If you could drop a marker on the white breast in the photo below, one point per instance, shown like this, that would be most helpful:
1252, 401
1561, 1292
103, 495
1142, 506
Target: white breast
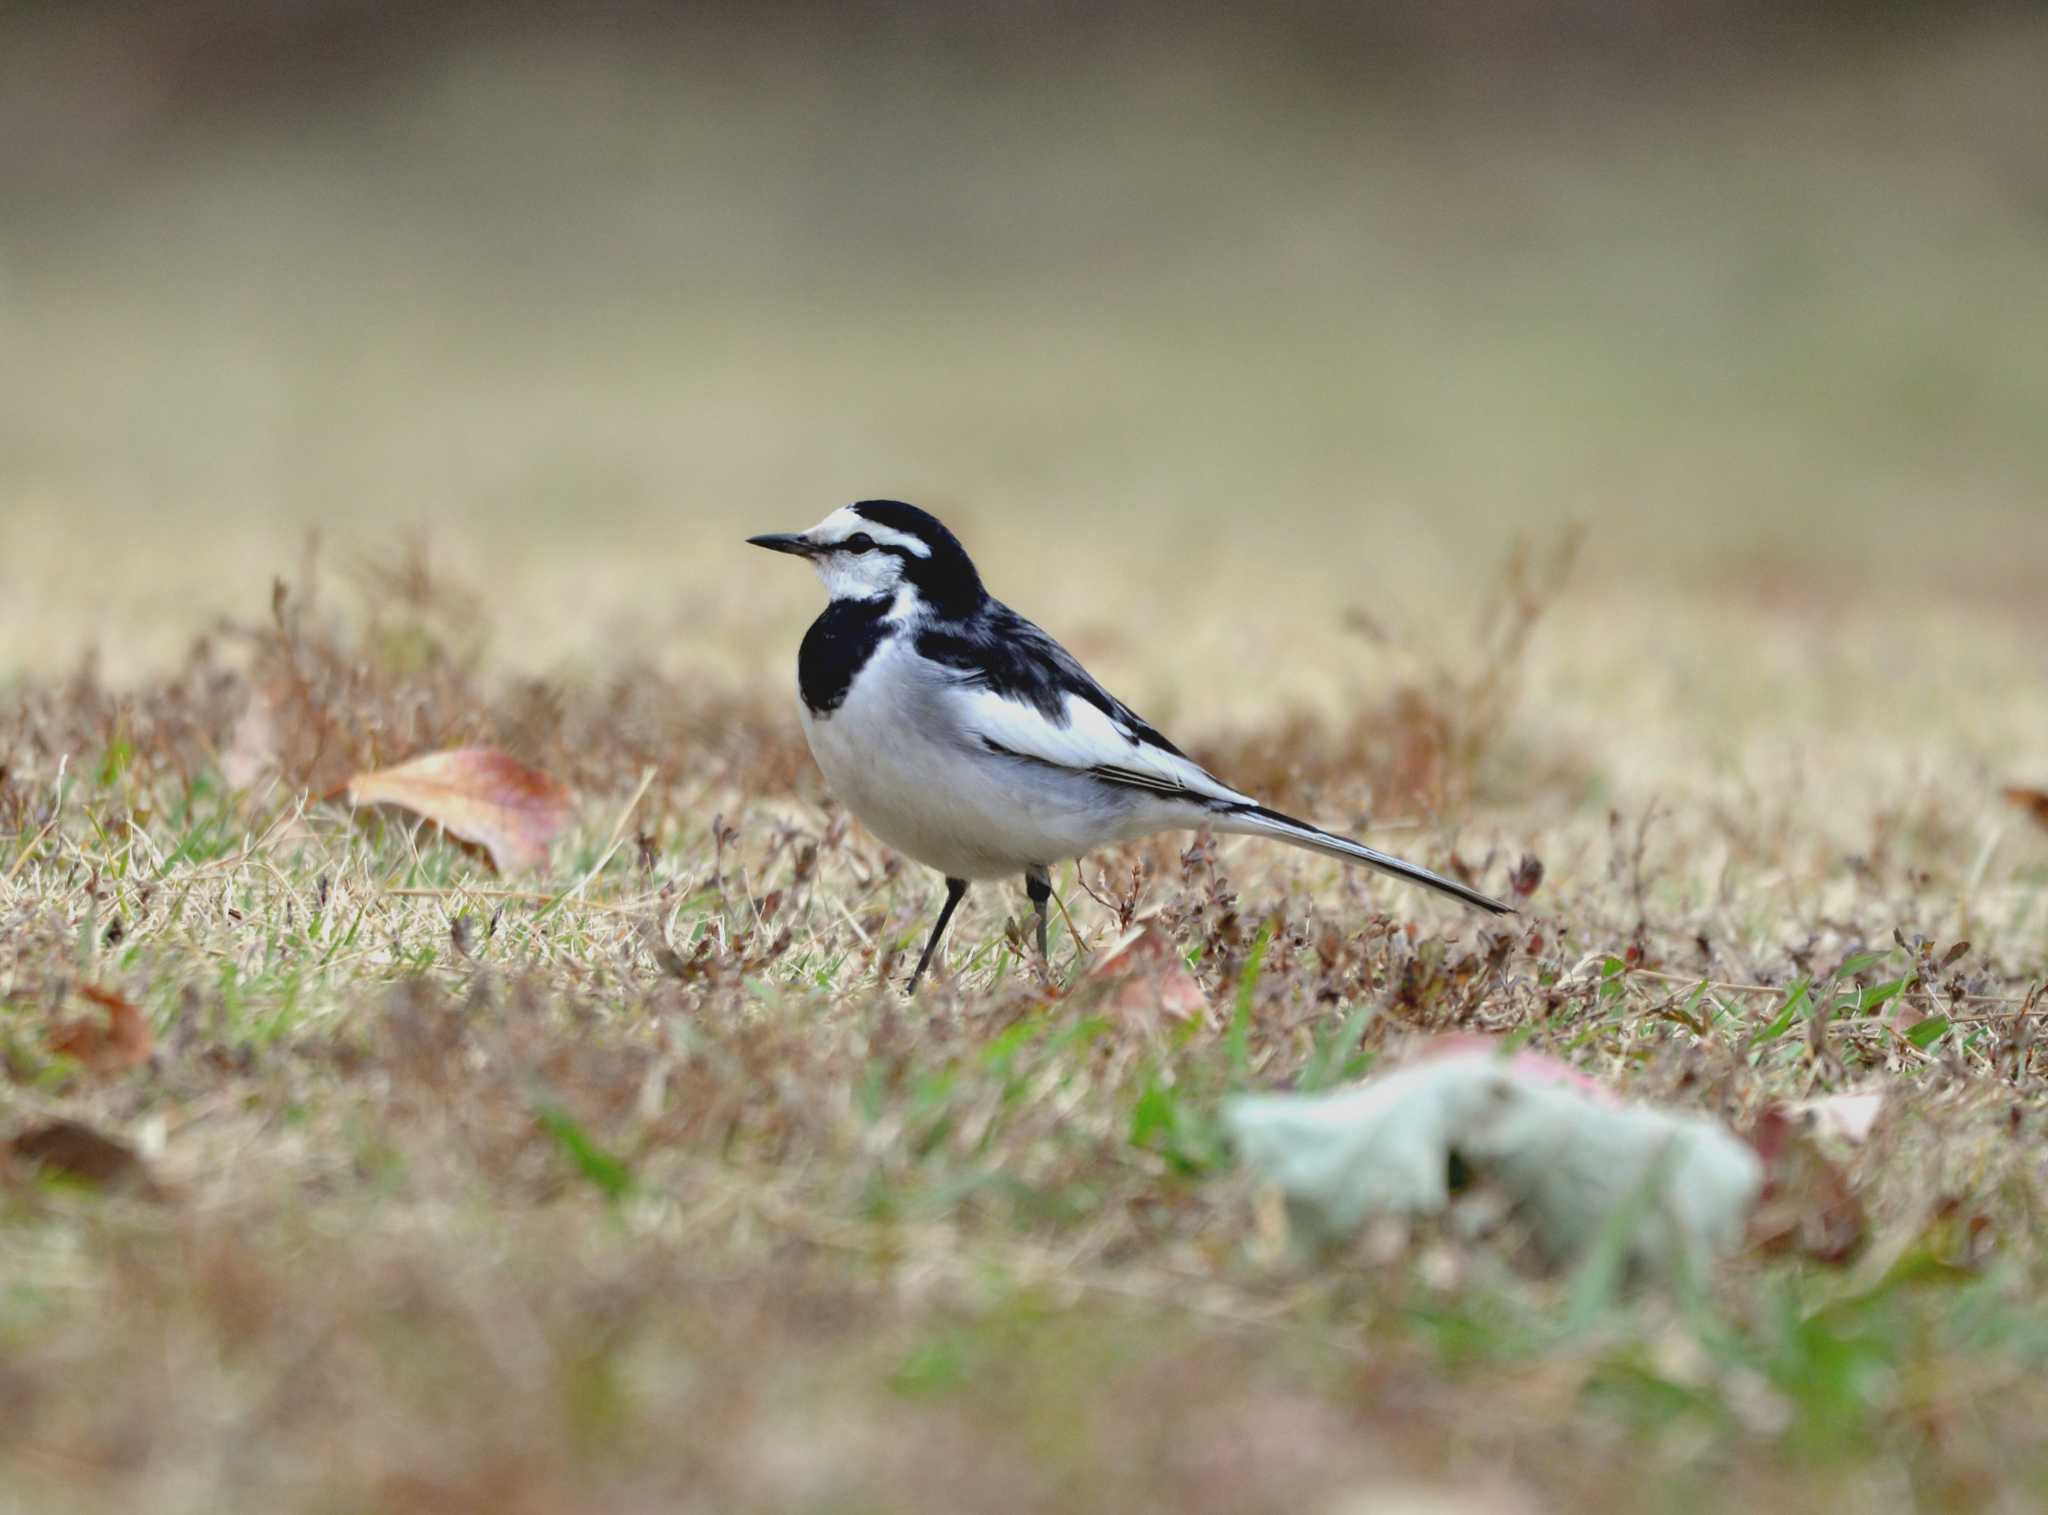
896, 754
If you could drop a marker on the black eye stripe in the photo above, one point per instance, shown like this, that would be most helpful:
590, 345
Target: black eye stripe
860, 542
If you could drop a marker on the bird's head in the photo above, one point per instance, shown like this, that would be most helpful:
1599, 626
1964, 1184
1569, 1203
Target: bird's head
878, 549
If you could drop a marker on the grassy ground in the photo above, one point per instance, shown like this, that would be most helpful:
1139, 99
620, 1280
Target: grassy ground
638, 1184
635, 1184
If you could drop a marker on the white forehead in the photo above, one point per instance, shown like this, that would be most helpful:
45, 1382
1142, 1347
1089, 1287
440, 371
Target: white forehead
845, 521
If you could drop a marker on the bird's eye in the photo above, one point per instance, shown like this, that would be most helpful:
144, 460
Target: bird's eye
860, 541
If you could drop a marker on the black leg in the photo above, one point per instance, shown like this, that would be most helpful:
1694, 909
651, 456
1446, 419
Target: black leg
1038, 884
956, 890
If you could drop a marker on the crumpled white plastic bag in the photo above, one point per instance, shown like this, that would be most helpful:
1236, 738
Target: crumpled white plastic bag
1570, 1155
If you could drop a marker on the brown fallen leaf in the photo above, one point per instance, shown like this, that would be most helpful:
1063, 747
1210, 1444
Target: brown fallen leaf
1903, 1016
122, 1041
1150, 979
1808, 1207
2033, 801
73, 1150
480, 795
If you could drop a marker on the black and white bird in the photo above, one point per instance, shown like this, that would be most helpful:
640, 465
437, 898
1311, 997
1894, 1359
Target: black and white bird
968, 739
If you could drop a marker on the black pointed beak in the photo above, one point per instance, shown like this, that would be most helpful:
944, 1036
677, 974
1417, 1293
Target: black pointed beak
785, 541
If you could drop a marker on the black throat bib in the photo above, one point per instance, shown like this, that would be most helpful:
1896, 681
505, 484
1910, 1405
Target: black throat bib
836, 648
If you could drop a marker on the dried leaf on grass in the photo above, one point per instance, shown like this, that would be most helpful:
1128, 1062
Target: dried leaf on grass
2033, 801
75, 1151
1807, 1206
1572, 1158
122, 1040
1149, 979
1903, 1016
480, 795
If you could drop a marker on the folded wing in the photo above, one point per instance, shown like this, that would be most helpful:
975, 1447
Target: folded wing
1091, 741
1015, 691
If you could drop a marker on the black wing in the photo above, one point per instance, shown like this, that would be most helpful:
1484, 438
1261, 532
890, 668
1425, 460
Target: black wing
998, 649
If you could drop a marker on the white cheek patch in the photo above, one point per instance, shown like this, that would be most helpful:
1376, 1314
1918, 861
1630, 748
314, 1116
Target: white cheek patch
859, 575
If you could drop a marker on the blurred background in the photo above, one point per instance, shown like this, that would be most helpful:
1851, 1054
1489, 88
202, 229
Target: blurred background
1223, 319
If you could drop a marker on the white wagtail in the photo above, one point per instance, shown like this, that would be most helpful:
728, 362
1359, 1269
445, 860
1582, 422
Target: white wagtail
965, 737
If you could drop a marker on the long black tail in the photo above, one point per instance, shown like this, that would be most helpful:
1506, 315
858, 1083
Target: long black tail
1257, 820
